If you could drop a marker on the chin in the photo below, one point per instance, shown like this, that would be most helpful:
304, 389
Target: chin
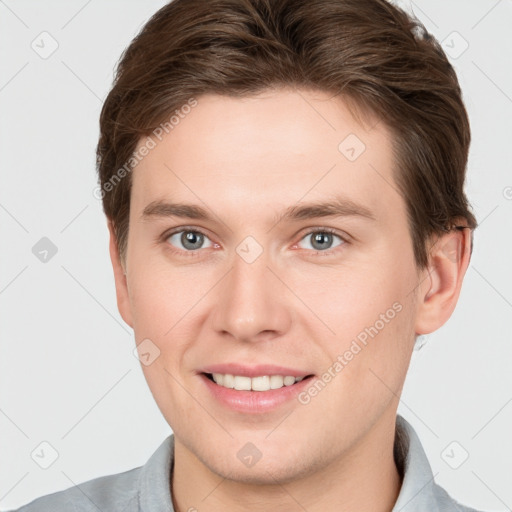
267, 470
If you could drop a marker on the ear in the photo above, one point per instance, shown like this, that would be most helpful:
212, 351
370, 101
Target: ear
123, 299
441, 282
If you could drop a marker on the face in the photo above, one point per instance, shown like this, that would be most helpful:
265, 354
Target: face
266, 284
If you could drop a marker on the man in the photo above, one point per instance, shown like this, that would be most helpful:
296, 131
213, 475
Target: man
283, 184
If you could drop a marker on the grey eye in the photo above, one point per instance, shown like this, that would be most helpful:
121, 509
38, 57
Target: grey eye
190, 240
321, 240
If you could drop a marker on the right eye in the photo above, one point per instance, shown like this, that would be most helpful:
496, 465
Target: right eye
190, 239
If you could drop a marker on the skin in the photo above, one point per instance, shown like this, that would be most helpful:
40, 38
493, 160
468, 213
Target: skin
246, 160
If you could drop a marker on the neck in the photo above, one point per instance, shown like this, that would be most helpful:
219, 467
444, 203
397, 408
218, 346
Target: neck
364, 479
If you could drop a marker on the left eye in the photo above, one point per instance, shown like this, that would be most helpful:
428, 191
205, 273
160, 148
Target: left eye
322, 240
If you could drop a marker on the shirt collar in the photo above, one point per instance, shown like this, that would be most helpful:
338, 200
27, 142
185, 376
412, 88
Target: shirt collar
418, 491
155, 479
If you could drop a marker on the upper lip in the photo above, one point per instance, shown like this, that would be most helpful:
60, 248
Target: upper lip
254, 370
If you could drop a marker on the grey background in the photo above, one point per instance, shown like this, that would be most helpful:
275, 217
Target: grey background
68, 375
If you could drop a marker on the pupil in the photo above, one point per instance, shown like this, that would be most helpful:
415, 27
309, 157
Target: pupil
193, 238
321, 238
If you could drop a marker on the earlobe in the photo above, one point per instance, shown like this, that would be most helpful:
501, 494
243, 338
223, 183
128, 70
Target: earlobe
441, 283
122, 295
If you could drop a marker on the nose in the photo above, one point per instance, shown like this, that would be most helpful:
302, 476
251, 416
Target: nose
251, 302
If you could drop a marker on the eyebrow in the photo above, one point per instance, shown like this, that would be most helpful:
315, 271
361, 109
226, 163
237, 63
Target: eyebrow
338, 207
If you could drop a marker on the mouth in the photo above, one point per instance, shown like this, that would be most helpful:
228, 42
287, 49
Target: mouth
254, 395
261, 383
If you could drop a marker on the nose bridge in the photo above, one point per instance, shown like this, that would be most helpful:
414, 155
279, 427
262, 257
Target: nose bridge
250, 300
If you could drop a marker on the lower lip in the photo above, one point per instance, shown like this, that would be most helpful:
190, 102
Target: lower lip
254, 401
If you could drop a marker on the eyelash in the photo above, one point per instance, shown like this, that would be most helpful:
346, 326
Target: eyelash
195, 253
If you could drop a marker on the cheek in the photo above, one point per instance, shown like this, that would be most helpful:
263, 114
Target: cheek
378, 355
370, 314
351, 300
160, 297
365, 371
169, 392
167, 310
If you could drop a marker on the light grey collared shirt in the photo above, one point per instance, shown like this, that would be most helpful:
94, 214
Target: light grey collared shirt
147, 488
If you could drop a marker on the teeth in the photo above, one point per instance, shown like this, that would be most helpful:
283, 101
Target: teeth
288, 381
228, 381
242, 383
219, 378
262, 383
276, 381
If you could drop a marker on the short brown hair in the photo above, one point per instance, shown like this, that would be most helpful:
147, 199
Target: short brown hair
381, 60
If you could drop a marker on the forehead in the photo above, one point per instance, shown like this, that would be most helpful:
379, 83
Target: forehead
266, 153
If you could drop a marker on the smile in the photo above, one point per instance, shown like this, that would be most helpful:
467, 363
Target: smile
254, 395
260, 383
